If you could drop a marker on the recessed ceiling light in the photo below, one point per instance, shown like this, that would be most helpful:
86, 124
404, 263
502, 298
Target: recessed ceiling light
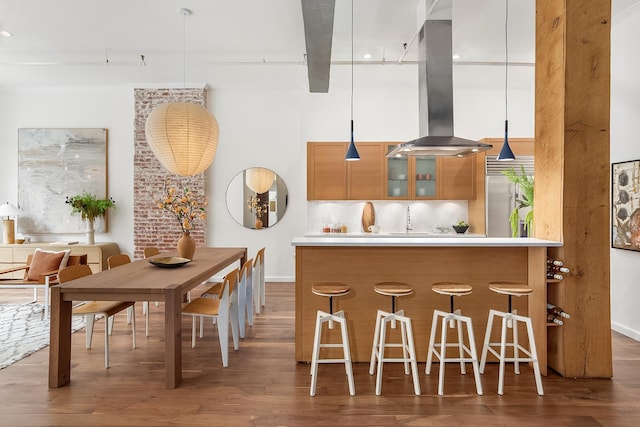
5, 33
367, 56
455, 56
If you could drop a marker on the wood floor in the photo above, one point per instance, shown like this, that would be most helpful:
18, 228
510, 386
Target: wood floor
264, 386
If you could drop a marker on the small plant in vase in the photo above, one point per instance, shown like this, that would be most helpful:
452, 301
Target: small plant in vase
90, 207
187, 208
259, 208
461, 227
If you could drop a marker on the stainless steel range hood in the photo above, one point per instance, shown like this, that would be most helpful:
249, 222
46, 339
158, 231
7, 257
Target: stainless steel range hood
435, 73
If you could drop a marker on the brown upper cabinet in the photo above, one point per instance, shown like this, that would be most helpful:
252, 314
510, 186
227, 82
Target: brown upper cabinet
457, 178
376, 177
365, 178
326, 171
331, 177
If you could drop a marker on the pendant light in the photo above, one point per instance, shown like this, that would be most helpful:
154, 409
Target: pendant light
183, 136
505, 153
352, 152
259, 180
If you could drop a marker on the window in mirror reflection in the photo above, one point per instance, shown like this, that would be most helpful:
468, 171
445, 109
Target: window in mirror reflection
257, 198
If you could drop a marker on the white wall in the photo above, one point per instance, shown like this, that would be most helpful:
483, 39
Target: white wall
625, 110
263, 122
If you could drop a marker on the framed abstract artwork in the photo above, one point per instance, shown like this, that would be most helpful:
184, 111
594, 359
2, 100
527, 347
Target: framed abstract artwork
625, 201
54, 164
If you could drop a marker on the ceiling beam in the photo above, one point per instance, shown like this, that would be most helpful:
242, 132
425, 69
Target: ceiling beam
318, 34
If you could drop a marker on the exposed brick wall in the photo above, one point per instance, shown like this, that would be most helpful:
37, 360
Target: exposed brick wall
153, 226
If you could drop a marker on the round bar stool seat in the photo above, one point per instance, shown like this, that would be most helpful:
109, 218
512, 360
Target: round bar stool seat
452, 319
452, 288
510, 320
510, 288
331, 290
394, 290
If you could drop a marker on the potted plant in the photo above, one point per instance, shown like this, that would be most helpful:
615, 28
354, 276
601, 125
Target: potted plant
90, 207
461, 227
524, 199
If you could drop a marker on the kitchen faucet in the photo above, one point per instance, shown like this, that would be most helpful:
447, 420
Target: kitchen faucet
409, 227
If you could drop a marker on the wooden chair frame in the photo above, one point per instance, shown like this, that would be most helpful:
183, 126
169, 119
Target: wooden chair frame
45, 280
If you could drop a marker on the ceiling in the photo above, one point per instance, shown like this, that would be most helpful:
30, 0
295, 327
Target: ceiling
90, 42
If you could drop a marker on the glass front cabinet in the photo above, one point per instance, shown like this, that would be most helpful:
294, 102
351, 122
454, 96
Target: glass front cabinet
410, 177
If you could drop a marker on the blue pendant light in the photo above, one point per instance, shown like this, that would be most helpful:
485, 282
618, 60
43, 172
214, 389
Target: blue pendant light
505, 153
352, 152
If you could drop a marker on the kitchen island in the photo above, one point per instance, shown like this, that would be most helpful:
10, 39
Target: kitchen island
361, 261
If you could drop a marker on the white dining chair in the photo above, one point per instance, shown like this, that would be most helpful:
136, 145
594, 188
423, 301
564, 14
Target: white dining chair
90, 309
149, 251
246, 291
116, 261
258, 281
245, 296
224, 309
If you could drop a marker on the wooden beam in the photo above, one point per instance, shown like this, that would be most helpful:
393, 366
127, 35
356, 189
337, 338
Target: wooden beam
572, 173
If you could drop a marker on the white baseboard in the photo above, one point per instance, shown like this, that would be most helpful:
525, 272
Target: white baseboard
283, 279
626, 331
280, 279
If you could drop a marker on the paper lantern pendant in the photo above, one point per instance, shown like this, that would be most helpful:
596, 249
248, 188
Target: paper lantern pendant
259, 180
183, 136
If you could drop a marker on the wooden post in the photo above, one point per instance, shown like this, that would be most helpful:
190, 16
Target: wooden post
173, 336
572, 175
60, 339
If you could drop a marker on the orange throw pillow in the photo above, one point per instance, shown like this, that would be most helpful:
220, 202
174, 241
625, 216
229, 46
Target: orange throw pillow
46, 261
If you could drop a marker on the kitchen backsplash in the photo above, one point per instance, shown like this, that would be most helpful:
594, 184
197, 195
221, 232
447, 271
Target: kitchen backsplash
391, 216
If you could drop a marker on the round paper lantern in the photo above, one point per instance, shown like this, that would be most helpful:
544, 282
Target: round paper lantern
259, 180
183, 136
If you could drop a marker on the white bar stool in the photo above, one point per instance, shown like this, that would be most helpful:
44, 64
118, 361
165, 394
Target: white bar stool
510, 320
452, 319
394, 290
331, 290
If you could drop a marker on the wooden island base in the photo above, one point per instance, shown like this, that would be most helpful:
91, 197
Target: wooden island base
419, 266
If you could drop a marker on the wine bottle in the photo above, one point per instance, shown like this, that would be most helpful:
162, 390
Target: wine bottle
557, 268
557, 311
553, 319
554, 262
552, 275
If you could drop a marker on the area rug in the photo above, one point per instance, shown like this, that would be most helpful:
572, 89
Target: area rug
23, 331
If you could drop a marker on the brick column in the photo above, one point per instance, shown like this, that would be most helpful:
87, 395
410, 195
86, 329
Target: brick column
153, 226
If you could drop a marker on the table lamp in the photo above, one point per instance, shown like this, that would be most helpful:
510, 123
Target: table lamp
8, 225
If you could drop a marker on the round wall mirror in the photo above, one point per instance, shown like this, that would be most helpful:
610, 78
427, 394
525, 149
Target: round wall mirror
257, 198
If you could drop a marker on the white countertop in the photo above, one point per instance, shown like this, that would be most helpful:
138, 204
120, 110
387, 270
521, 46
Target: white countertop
417, 239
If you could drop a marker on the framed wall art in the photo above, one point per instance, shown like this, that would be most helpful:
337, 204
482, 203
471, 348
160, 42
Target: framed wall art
54, 164
625, 201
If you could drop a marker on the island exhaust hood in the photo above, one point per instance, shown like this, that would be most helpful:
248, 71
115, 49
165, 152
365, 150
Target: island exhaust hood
435, 74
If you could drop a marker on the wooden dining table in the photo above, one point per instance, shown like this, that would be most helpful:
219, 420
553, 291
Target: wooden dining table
137, 281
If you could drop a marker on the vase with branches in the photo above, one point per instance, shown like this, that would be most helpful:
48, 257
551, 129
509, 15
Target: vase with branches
258, 207
187, 208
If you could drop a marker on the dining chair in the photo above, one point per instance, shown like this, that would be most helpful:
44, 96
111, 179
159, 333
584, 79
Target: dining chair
258, 281
224, 309
116, 261
90, 309
245, 296
149, 251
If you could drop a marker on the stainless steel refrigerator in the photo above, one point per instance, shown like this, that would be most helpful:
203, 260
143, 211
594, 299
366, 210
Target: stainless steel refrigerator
500, 194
